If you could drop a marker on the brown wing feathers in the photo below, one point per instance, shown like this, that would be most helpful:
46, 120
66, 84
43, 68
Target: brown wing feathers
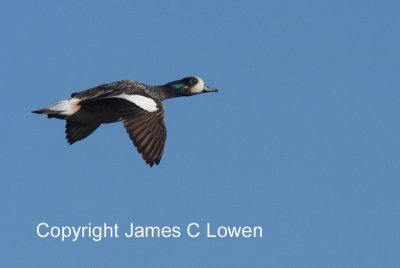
146, 129
148, 133
77, 131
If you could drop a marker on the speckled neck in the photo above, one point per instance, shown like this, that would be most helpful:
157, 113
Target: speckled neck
164, 92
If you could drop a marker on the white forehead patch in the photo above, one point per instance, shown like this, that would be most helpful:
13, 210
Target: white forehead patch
145, 103
198, 87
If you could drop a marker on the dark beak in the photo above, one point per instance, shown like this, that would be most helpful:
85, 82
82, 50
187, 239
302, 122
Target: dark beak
208, 89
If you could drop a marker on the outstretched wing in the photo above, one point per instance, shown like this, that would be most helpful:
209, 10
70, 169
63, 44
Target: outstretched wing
143, 118
78, 131
148, 133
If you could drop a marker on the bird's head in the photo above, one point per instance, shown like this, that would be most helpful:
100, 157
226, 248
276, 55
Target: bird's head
191, 85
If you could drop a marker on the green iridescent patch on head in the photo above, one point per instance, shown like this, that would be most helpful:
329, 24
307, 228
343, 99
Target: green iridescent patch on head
178, 85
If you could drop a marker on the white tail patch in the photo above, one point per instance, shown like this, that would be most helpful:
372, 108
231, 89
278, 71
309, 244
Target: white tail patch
145, 103
66, 107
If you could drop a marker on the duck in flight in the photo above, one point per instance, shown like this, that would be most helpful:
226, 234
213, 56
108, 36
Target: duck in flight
134, 103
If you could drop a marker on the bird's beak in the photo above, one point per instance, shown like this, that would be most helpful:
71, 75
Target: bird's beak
208, 89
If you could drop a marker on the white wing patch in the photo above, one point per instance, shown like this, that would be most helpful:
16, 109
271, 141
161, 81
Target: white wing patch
145, 103
66, 107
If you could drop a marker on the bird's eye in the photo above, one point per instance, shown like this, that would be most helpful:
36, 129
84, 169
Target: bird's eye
194, 81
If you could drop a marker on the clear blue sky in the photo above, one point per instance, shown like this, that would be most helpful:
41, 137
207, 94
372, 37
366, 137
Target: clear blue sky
303, 137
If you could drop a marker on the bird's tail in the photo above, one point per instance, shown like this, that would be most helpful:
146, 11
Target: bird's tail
50, 113
61, 110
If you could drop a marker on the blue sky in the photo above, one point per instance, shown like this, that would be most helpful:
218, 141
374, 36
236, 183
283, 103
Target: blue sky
302, 138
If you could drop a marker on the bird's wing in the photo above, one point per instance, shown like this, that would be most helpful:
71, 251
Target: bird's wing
145, 128
76, 131
148, 133
107, 90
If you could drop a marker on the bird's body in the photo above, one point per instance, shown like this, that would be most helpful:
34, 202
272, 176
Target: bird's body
136, 104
